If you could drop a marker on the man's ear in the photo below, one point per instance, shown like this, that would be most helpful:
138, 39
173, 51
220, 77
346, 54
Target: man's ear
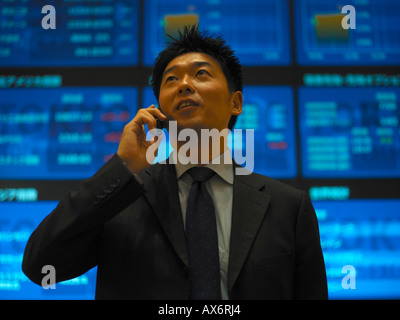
237, 103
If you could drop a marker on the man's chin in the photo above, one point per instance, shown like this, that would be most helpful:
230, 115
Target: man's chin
190, 124
193, 124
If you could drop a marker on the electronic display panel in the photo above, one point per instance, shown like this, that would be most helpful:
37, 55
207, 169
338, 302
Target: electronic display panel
365, 235
367, 242
321, 39
87, 33
257, 30
61, 133
17, 222
349, 132
269, 111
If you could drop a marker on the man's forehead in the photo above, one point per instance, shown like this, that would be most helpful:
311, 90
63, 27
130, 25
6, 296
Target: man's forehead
191, 59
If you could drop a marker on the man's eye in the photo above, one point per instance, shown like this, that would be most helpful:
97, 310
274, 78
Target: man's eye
170, 78
201, 72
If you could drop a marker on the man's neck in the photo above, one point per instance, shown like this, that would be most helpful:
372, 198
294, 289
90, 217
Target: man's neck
202, 155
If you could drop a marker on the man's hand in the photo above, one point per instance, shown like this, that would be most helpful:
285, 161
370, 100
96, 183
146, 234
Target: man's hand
133, 146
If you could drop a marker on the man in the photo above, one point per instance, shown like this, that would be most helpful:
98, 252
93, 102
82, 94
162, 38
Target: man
137, 223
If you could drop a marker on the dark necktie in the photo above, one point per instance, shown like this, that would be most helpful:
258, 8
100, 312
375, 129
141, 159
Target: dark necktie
202, 239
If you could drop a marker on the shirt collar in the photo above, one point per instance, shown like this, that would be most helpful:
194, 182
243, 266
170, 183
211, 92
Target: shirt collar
222, 165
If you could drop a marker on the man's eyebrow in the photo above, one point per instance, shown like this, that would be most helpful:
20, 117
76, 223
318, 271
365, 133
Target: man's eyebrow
195, 64
202, 63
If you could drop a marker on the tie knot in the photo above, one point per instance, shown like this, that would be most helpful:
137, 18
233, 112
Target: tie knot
201, 174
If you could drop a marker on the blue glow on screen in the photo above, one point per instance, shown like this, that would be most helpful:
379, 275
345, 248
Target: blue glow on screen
17, 222
269, 111
366, 235
259, 33
362, 233
321, 40
350, 132
66, 133
100, 33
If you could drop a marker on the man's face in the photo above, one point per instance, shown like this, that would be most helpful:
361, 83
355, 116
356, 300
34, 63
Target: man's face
194, 92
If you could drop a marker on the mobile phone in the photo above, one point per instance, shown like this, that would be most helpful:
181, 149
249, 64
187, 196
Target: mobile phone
160, 124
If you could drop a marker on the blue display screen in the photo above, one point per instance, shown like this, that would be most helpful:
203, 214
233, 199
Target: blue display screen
269, 111
365, 235
17, 222
350, 132
259, 33
321, 40
97, 33
66, 133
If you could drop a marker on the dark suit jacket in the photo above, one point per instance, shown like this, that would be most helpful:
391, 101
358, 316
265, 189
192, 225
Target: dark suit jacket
134, 233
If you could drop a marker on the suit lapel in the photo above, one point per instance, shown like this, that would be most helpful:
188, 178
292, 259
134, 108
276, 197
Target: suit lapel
162, 194
249, 207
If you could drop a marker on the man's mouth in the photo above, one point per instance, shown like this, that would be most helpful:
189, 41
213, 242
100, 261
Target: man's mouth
186, 103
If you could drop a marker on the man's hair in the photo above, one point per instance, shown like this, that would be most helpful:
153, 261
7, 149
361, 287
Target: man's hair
193, 40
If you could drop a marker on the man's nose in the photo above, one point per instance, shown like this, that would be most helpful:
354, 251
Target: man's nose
187, 89
186, 85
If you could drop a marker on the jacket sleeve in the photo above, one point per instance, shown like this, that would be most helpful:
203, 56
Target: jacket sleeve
310, 274
68, 237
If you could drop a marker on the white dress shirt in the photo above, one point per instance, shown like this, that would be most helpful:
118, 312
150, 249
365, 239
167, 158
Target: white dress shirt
220, 187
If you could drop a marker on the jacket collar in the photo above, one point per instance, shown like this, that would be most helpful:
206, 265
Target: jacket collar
221, 165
